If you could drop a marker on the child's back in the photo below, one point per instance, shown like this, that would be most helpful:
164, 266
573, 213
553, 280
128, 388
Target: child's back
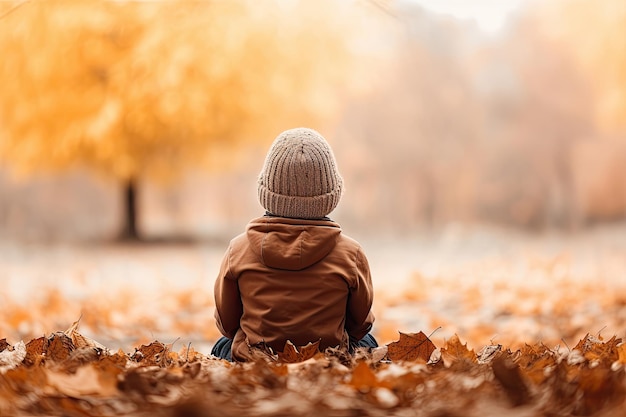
293, 275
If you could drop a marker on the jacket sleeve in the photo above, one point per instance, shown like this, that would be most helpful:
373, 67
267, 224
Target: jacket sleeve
359, 316
228, 307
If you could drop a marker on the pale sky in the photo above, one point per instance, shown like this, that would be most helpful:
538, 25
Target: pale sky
489, 14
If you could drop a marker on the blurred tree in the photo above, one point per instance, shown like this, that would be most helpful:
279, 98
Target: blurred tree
470, 128
418, 131
538, 106
140, 90
595, 33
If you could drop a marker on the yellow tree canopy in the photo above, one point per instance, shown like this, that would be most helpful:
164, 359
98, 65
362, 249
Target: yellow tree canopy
146, 88
595, 33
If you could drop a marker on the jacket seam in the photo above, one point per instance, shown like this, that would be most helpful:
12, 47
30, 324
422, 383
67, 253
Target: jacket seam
229, 272
301, 244
356, 267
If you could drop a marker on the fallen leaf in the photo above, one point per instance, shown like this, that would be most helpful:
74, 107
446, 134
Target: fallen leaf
79, 340
192, 369
536, 362
261, 351
73, 327
153, 354
508, 375
188, 354
11, 358
411, 347
143, 381
24, 380
399, 378
455, 351
80, 357
87, 380
379, 353
621, 353
363, 378
35, 350
289, 354
586, 343
593, 348
114, 364
293, 354
597, 387
309, 350
487, 353
92, 382
60, 347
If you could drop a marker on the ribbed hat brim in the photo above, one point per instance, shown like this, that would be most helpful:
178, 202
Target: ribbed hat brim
313, 207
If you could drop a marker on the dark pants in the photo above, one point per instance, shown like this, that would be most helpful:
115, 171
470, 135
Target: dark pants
222, 348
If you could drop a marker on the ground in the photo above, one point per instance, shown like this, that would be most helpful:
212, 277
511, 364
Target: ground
482, 287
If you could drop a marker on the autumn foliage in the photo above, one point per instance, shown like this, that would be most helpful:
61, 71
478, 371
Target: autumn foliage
599, 52
447, 125
69, 374
147, 90
527, 129
144, 89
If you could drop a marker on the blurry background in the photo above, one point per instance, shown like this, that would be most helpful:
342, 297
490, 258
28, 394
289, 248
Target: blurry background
481, 142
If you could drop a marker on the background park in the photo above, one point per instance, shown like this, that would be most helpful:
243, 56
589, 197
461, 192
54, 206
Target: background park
482, 144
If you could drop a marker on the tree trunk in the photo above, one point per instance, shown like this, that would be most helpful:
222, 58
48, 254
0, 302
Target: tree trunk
129, 229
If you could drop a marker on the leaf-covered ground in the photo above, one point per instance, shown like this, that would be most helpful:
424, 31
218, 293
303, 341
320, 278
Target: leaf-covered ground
69, 374
534, 318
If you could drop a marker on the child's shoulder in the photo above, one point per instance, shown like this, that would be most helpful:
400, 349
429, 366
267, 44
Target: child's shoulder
349, 244
238, 241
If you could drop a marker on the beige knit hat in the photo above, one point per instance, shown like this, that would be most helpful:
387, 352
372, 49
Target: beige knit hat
300, 178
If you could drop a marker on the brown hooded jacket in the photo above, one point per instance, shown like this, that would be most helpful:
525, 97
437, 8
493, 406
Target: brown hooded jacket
293, 279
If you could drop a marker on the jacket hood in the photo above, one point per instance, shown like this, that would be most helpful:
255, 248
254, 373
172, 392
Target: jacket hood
292, 244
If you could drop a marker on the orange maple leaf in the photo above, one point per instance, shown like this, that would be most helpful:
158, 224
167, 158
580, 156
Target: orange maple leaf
594, 348
534, 360
293, 354
455, 351
411, 347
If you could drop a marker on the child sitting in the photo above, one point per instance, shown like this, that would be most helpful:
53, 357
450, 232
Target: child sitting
293, 275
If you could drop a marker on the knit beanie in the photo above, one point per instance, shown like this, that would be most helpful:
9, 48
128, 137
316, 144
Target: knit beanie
300, 178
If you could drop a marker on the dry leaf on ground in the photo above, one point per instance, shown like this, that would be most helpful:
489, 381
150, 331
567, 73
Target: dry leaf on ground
293, 354
55, 377
454, 351
411, 347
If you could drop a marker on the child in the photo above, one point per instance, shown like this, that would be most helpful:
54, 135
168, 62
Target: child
293, 275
